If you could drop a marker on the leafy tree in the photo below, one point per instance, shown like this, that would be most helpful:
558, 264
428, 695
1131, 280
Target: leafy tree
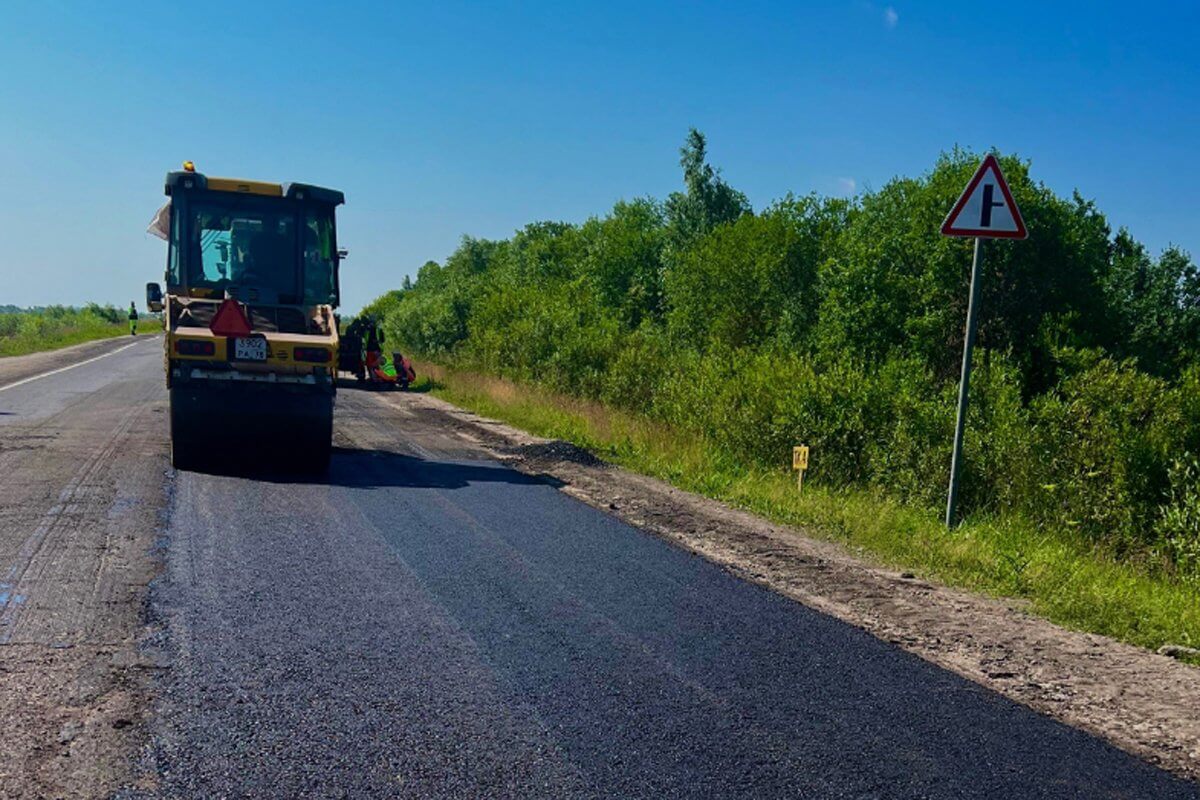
753, 279
1155, 306
543, 252
707, 202
623, 258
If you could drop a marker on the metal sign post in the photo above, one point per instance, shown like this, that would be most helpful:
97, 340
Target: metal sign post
981, 214
964, 384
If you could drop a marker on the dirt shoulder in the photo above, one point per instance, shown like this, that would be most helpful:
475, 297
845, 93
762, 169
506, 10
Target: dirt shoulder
1141, 702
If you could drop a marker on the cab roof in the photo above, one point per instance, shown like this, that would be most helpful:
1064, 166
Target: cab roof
195, 181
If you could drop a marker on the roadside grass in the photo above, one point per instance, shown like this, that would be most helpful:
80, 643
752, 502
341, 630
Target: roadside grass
29, 333
1060, 579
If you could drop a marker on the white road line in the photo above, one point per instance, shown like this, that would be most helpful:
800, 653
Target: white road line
69, 366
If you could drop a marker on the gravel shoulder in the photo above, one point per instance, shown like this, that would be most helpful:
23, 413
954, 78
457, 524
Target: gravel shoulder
1141, 702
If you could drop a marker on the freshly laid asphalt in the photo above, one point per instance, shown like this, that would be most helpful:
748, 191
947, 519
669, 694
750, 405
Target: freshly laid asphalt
429, 623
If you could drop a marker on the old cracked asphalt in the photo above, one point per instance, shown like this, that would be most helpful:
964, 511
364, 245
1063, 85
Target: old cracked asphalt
429, 623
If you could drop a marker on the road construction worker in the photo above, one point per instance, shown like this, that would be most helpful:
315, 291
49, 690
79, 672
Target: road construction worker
405, 374
374, 336
133, 318
373, 345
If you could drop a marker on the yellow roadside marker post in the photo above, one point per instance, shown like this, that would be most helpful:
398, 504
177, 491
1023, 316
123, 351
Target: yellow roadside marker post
800, 463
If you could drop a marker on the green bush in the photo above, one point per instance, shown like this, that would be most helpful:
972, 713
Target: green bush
1178, 528
638, 371
58, 326
1105, 440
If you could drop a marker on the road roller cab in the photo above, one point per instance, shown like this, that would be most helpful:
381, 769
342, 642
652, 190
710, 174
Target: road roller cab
251, 340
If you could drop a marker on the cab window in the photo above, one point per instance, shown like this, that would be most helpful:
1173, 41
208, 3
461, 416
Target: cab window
174, 278
320, 257
244, 242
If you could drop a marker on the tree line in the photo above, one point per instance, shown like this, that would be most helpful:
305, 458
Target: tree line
839, 323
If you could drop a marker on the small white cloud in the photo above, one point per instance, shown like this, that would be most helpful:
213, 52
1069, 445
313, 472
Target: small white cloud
890, 17
848, 185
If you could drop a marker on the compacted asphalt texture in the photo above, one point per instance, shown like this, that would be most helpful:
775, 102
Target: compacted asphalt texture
425, 622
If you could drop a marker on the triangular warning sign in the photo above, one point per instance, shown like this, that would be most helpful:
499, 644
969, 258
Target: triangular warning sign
230, 320
986, 208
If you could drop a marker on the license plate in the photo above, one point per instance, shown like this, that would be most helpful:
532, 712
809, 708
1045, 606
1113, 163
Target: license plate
253, 349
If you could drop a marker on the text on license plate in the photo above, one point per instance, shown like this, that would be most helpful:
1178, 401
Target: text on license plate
250, 349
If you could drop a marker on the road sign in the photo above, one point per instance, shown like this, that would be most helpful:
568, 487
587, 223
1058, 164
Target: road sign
230, 320
986, 209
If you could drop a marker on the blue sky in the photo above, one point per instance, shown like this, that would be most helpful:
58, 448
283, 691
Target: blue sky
439, 119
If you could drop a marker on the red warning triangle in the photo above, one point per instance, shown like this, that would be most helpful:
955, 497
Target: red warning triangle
230, 320
986, 208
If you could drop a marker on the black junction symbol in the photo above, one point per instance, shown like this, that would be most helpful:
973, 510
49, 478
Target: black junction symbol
985, 216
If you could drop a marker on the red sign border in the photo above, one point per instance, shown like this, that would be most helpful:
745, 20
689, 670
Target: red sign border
948, 229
